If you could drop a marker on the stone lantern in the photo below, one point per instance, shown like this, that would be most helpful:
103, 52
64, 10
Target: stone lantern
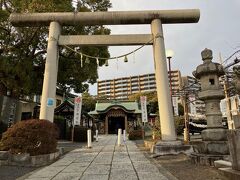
214, 138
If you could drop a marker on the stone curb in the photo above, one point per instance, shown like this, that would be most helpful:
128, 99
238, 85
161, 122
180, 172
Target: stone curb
26, 160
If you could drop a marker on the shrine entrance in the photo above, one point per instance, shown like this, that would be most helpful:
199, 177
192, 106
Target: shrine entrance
115, 123
116, 120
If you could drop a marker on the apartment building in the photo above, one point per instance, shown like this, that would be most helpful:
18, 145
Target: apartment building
176, 80
122, 88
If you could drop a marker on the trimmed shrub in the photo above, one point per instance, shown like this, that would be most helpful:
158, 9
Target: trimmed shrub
32, 136
80, 134
135, 134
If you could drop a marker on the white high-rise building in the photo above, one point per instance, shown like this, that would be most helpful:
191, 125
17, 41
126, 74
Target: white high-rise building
122, 88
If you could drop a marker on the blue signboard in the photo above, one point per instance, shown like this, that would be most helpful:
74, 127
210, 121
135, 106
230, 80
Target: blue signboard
50, 102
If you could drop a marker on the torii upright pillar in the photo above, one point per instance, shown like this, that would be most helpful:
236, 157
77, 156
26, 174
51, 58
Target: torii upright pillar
48, 100
164, 100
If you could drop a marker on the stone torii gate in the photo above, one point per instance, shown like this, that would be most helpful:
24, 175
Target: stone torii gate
155, 18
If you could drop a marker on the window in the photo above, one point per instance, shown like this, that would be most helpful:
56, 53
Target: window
211, 81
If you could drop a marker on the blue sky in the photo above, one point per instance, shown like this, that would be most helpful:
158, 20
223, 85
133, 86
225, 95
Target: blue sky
218, 29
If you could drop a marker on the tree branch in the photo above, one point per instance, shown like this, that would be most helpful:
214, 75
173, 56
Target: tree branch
39, 52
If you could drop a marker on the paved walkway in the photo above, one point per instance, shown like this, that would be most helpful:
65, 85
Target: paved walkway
105, 161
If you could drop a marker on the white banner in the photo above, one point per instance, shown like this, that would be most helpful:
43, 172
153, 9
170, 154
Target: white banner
143, 100
193, 109
175, 105
77, 110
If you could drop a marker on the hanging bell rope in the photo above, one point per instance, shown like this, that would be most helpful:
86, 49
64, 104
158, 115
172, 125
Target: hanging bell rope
81, 60
125, 59
97, 60
106, 62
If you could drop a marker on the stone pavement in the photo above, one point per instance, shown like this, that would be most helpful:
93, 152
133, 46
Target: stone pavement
105, 161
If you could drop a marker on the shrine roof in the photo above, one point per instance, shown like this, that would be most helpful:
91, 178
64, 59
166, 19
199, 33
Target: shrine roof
127, 106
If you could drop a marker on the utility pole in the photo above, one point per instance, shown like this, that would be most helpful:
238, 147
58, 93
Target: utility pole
228, 100
186, 117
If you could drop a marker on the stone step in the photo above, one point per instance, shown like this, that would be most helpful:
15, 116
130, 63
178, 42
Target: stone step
222, 164
230, 173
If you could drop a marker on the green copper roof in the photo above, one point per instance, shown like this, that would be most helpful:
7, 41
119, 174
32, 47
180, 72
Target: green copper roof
131, 107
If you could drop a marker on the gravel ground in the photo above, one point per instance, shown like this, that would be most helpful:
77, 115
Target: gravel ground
181, 167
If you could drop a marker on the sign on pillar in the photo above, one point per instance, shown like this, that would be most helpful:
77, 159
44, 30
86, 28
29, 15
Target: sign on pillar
175, 105
77, 113
77, 110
